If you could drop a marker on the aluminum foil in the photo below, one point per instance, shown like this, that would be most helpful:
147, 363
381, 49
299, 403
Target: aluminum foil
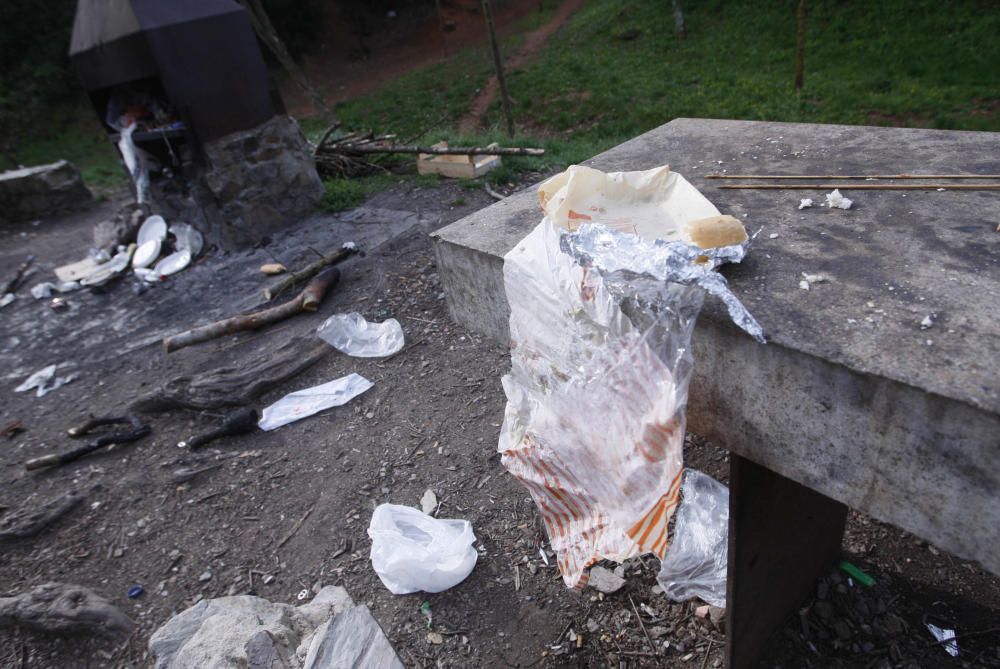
610, 251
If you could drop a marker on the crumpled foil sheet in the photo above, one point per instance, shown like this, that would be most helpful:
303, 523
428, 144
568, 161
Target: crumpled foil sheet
610, 251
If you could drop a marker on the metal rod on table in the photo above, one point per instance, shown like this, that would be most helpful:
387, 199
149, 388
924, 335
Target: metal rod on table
852, 176
862, 186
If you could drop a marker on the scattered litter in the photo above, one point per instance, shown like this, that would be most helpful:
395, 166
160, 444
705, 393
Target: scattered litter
604, 580
412, 551
773, 235
308, 401
804, 285
353, 335
273, 268
147, 253
44, 290
77, 271
45, 381
302, 595
173, 263
941, 190
945, 635
187, 238
135, 592
809, 279
428, 502
697, 559
805, 203
154, 227
109, 270
7, 299
927, 322
835, 200
863, 578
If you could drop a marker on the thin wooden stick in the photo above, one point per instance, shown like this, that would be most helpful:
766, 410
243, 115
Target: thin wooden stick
451, 150
852, 176
862, 186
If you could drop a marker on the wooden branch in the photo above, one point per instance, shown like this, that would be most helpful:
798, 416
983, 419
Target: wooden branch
861, 186
289, 280
852, 176
29, 521
13, 284
138, 431
451, 150
308, 300
241, 421
498, 66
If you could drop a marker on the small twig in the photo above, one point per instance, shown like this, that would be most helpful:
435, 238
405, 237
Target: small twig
641, 624
708, 652
492, 193
295, 528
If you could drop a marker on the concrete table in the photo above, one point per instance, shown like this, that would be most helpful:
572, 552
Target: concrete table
853, 402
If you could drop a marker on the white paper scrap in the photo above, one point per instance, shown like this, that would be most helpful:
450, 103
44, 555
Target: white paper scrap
309, 401
805, 203
943, 635
835, 200
353, 335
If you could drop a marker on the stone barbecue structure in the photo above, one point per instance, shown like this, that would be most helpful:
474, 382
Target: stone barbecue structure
183, 92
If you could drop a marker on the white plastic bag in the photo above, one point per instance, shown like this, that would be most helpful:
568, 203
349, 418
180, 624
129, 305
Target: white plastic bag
412, 551
353, 335
697, 559
309, 401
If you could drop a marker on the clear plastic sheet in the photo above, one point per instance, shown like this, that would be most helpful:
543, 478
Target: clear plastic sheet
353, 335
412, 551
698, 556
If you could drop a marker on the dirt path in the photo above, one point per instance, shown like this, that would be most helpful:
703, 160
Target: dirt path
533, 44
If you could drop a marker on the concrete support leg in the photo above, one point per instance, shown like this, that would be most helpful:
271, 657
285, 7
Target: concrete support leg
782, 537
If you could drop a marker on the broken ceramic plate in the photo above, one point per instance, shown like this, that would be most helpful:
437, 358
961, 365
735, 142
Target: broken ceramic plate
153, 227
147, 253
173, 263
112, 268
188, 239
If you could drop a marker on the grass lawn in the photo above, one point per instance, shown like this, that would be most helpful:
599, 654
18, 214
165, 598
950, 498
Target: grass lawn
616, 70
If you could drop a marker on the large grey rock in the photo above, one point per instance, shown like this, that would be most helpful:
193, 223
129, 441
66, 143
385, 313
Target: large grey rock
34, 192
244, 631
259, 181
351, 640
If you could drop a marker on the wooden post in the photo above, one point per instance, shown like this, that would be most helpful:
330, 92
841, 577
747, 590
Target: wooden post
800, 46
498, 64
269, 36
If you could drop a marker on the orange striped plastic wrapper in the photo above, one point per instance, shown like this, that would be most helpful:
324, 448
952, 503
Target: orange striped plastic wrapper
594, 425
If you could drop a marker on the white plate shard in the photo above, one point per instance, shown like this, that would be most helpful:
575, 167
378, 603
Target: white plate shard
188, 238
308, 401
153, 227
147, 253
173, 263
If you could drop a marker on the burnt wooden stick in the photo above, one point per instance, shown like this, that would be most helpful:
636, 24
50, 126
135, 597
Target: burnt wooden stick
308, 300
13, 284
139, 430
237, 422
81, 430
338, 256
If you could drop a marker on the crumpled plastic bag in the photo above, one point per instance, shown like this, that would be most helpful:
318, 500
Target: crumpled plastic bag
353, 335
412, 551
698, 557
604, 294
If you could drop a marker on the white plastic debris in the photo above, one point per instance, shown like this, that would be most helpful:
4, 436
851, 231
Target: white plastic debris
147, 253
309, 401
835, 200
803, 284
353, 335
44, 381
7, 299
696, 561
412, 551
350, 246
773, 235
44, 290
943, 635
154, 227
927, 322
815, 278
173, 263
805, 203
188, 239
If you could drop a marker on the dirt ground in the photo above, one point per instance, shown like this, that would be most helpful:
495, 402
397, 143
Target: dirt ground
429, 423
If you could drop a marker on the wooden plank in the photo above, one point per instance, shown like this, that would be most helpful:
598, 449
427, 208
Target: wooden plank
782, 537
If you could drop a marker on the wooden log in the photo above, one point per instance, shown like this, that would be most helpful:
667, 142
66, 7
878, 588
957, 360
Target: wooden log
338, 256
308, 300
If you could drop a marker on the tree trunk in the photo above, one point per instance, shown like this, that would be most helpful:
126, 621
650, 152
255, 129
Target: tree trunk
800, 46
498, 64
269, 36
679, 28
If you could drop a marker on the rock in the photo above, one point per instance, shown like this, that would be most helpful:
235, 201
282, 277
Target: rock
352, 639
232, 631
205, 577
604, 580
35, 192
428, 502
58, 608
435, 638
